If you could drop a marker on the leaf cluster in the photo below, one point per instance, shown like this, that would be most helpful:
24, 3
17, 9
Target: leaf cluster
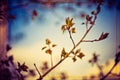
94, 59
48, 46
68, 26
22, 67
77, 54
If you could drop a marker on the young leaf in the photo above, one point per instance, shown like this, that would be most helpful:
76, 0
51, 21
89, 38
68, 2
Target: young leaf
48, 41
63, 28
81, 55
64, 53
73, 30
32, 72
67, 54
74, 59
54, 45
18, 64
48, 51
95, 57
69, 23
44, 47
67, 20
22, 67
77, 51
103, 36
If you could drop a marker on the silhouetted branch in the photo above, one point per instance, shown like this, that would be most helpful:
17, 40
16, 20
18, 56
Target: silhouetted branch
38, 71
105, 76
117, 59
95, 40
100, 68
115, 74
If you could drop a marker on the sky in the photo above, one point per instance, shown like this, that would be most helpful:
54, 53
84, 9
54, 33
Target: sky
27, 36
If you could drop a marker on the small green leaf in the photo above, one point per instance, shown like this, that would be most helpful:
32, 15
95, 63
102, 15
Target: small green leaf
77, 51
48, 51
44, 47
22, 67
73, 30
63, 28
69, 22
74, 59
64, 53
81, 55
54, 45
48, 41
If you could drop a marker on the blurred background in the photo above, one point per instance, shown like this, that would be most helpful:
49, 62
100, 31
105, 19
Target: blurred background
32, 21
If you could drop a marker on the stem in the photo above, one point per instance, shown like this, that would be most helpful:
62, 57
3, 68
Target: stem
38, 71
86, 24
71, 38
51, 57
91, 40
101, 71
51, 60
103, 78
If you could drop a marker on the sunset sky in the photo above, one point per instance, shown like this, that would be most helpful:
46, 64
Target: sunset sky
27, 36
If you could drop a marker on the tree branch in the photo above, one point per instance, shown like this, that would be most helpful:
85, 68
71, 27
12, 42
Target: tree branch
105, 76
75, 46
70, 51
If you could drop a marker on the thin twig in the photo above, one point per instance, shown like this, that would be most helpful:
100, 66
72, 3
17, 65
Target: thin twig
38, 71
105, 76
100, 68
95, 40
86, 25
51, 60
71, 38
51, 57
